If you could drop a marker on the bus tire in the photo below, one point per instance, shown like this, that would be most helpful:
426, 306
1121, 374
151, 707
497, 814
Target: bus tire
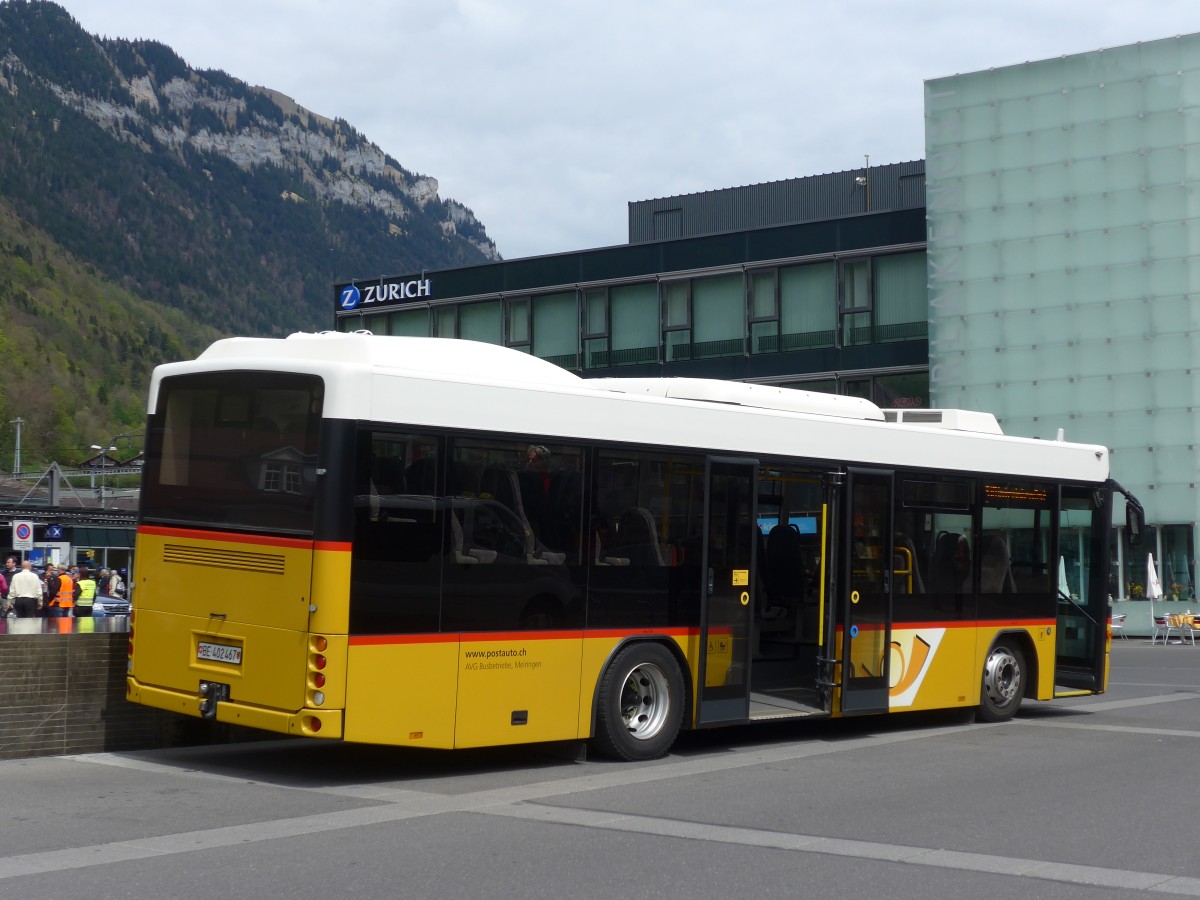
1003, 685
640, 705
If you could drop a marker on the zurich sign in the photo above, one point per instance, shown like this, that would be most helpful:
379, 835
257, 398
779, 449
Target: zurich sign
350, 297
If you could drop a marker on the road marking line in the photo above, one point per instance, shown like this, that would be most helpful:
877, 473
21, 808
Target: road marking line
1105, 705
1043, 870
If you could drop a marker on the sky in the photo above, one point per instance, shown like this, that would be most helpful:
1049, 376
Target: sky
547, 117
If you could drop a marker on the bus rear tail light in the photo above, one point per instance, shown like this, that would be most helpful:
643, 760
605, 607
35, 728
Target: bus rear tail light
317, 663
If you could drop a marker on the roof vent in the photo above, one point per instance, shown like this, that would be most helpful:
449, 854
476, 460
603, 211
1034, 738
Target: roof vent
952, 419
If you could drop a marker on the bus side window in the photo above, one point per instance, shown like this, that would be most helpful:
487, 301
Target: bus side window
995, 567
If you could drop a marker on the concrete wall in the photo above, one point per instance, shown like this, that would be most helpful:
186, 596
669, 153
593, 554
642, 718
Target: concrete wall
65, 693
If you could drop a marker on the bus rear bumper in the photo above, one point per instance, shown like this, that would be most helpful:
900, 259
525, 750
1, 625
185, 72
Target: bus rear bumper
319, 723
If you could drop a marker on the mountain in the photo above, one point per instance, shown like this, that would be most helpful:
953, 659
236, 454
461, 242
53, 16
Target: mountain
147, 207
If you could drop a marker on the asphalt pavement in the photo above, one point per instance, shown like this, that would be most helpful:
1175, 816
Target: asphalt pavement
1090, 797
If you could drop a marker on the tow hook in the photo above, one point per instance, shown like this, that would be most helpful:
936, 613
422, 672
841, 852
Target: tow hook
213, 693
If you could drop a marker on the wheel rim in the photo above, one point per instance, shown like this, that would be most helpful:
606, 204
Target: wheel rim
1002, 677
645, 701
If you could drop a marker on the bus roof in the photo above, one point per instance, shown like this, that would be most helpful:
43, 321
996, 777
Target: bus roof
461, 384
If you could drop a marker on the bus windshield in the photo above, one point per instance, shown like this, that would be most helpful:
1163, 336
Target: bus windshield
234, 449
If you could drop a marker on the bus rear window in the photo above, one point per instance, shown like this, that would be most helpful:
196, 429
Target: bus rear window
235, 450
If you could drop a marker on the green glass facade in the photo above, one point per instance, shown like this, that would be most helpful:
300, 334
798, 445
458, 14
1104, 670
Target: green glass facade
1062, 258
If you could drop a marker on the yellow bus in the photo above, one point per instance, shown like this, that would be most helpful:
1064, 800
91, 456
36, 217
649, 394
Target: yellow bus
444, 544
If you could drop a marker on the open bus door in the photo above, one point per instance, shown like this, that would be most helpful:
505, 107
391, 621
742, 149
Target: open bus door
1082, 588
866, 592
727, 594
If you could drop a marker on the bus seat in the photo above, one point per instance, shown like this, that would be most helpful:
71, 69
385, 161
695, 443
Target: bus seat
950, 568
467, 555
421, 477
995, 568
387, 475
637, 538
462, 479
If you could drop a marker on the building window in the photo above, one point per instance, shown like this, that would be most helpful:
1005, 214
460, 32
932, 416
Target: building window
1178, 554
517, 329
278, 477
556, 329
409, 323
677, 320
907, 391
481, 322
719, 316
631, 332
807, 306
704, 317
445, 322
764, 311
595, 328
901, 297
855, 289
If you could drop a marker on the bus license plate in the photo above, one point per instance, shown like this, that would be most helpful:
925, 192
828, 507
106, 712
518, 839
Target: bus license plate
219, 653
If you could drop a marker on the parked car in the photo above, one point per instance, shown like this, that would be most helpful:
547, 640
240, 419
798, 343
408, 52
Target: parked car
110, 606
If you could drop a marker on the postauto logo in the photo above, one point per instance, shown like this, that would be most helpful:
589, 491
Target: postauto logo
350, 297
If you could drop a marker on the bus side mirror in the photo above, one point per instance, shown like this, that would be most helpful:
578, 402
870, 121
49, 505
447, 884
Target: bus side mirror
1134, 523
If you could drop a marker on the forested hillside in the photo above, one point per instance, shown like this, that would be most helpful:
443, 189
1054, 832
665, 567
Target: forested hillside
146, 207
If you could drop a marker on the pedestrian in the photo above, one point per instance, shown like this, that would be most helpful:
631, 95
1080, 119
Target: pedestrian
85, 594
25, 592
116, 584
60, 593
11, 568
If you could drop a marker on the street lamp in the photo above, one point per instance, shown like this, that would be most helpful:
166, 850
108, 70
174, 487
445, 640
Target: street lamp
103, 468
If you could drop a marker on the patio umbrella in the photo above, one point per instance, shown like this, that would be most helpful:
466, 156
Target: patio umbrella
1153, 588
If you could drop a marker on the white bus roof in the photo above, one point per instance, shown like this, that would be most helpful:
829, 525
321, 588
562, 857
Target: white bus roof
462, 384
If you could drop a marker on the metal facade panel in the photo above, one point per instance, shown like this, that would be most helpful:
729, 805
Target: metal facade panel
880, 189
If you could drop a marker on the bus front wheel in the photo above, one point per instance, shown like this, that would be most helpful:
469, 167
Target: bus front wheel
1003, 683
640, 705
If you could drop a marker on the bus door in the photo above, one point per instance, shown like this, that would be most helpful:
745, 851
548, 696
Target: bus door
866, 602
1081, 587
727, 593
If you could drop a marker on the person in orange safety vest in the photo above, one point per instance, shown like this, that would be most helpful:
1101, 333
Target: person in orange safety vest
60, 592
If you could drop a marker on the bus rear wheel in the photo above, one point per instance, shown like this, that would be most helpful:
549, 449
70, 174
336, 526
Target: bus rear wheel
640, 705
1003, 683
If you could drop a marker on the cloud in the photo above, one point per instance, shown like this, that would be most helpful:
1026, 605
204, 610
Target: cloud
546, 117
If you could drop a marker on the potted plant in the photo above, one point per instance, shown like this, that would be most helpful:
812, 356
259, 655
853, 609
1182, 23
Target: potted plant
1136, 591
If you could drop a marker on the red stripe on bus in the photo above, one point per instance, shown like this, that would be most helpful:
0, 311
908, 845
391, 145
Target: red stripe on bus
956, 623
367, 640
230, 537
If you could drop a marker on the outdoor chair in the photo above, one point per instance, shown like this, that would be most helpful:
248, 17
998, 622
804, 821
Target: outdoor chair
1185, 624
1162, 628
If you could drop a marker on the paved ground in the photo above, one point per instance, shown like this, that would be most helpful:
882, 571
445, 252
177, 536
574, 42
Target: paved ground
1092, 798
